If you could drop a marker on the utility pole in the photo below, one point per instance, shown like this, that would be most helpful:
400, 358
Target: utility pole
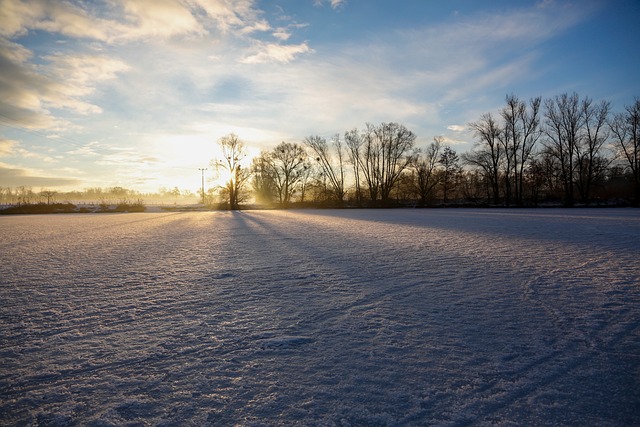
202, 170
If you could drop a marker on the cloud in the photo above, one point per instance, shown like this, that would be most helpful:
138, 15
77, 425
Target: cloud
29, 91
338, 3
32, 86
91, 150
453, 141
282, 34
255, 27
163, 18
7, 147
272, 52
119, 21
233, 14
19, 16
335, 4
12, 148
11, 176
456, 128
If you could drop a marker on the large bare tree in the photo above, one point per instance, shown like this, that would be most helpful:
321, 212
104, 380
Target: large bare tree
488, 152
591, 163
333, 171
450, 170
625, 128
353, 141
287, 164
425, 165
386, 154
521, 132
233, 153
263, 184
563, 126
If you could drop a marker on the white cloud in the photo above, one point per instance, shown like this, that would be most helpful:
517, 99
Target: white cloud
29, 91
18, 16
159, 18
453, 141
335, 4
7, 147
456, 128
338, 3
272, 52
234, 14
89, 150
257, 26
282, 34
34, 154
83, 71
124, 20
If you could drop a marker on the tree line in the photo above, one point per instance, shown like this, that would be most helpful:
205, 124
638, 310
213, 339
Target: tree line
25, 195
561, 150
565, 149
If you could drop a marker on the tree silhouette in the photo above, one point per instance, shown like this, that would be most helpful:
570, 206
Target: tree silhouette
450, 169
488, 152
385, 156
425, 169
233, 152
287, 165
563, 123
590, 161
334, 172
626, 130
521, 131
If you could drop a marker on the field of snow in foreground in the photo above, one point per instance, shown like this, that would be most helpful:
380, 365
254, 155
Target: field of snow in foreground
329, 318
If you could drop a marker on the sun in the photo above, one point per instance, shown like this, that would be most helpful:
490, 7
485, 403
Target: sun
182, 158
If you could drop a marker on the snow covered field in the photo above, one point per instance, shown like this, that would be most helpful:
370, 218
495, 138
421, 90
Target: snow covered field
329, 318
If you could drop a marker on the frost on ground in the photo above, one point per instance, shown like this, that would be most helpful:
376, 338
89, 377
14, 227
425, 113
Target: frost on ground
330, 318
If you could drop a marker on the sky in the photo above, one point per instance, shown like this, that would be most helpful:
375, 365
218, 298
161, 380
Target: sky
137, 93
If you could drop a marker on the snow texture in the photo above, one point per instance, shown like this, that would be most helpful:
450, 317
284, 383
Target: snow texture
327, 318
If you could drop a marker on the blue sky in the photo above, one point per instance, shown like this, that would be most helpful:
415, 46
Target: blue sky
136, 93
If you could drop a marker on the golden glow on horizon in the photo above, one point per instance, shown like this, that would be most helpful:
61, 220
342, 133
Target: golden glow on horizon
181, 157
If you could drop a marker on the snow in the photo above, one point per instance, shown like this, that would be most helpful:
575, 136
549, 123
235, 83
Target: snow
328, 317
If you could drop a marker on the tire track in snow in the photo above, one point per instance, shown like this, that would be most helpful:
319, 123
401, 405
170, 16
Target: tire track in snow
361, 305
556, 357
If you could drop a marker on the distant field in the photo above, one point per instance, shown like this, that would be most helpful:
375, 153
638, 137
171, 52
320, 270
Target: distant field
327, 317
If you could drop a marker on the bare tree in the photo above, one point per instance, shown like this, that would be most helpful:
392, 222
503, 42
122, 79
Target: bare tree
308, 175
510, 140
522, 130
334, 172
370, 161
263, 182
590, 163
625, 128
396, 141
24, 195
233, 153
385, 157
535, 179
425, 169
287, 163
563, 130
488, 153
353, 140
450, 169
